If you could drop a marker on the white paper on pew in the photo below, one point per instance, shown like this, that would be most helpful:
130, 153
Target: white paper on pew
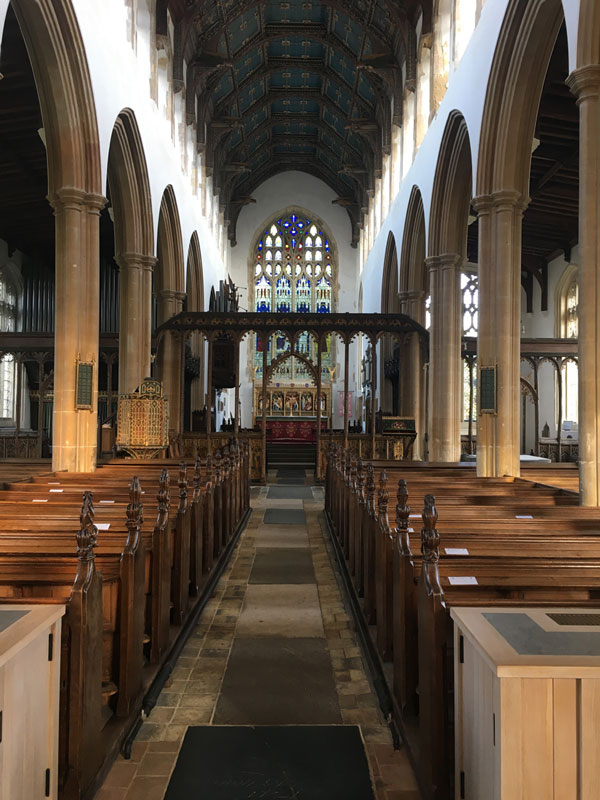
456, 551
103, 526
410, 530
523, 516
57, 490
460, 580
106, 501
414, 516
53, 483
39, 501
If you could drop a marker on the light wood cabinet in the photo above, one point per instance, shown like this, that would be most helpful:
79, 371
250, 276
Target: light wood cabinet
29, 701
527, 704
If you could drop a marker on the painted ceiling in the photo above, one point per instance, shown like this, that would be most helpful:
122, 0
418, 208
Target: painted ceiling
297, 84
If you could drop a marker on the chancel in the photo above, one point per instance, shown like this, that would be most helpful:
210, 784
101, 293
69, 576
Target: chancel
299, 399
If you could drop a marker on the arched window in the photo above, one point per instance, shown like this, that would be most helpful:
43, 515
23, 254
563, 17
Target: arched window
8, 318
294, 271
569, 329
469, 285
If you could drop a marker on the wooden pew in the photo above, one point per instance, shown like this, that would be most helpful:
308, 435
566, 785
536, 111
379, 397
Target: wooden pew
145, 569
553, 558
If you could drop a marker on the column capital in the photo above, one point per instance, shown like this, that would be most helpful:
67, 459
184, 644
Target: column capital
135, 261
584, 82
444, 261
501, 200
75, 198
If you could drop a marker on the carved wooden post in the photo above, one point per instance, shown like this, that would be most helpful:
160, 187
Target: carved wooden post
435, 740
405, 609
225, 531
81, 671
196, 530
319, 411
369, 548
218, 489
383, 576
181, 554
352, 509
161, 572
132, 605
359, 528
208, 525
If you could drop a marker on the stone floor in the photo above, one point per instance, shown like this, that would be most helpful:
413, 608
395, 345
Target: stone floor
275, 645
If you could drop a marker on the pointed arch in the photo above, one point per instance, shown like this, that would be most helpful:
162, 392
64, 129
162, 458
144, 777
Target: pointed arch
588, 37
170, 274
451, 198
129, 188
62, 79
390, 302
517, 76
412, 258
194, 285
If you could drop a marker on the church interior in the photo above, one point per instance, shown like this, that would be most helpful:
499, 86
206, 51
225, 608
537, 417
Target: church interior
299, 399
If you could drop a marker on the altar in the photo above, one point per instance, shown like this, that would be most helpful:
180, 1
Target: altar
293, 429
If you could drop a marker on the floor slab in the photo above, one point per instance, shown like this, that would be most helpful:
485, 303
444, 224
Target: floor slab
285, 516
275, 610
287, 763
290, 493
286, 536
282, 565
278, 681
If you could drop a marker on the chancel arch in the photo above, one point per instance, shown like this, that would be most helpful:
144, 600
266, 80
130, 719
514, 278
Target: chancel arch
130, 198
447, 250
169, 294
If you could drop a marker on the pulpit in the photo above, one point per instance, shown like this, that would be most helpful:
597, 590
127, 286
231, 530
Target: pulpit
143, 421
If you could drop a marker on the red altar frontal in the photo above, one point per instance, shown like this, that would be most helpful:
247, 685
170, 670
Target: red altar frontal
290, 429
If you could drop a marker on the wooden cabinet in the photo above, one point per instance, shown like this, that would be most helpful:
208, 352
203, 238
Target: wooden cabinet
527, 703
29, 701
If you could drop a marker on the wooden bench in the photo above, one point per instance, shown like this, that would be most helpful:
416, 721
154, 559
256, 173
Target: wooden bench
140, 576
552, 558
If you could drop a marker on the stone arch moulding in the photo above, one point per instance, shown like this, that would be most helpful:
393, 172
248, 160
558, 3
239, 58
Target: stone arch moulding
389, 284
171, 273
194, 285
62, 78
588, 34
517, 76
130, 188
452, 186
412, 258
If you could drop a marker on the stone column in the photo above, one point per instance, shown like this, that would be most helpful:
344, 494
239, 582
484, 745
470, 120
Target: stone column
445, 357
585, 84
134, 322
499, 339
170, 357
77, 319
412, 381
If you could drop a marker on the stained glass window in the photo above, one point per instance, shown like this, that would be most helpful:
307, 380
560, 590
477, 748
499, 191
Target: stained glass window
570, 378
293, 272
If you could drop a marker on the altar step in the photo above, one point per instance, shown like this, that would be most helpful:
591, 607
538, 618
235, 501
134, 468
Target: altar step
290, 454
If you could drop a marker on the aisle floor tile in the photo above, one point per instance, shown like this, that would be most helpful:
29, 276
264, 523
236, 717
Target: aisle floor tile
282, 565
285, 516
275, 610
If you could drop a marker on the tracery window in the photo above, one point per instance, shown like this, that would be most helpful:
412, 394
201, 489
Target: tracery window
8, 316
469, 285
570, 380
293, 272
